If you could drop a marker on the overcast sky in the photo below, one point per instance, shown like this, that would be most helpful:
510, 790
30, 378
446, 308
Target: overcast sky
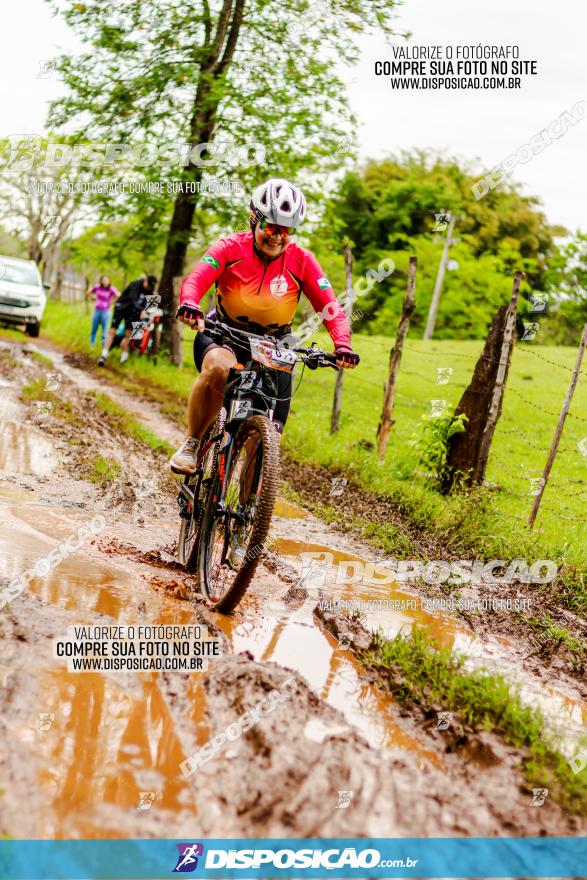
487, 125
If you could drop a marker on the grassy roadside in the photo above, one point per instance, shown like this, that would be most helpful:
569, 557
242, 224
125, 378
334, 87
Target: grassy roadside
419, 674
100, 470
485, 523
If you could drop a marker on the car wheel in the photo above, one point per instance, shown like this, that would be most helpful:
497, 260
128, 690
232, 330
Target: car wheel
33, 329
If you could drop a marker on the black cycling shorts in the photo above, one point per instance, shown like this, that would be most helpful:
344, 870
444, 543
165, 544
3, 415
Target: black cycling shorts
203, 344
128, 314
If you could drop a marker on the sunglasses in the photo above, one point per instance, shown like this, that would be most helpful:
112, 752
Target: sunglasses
274, 229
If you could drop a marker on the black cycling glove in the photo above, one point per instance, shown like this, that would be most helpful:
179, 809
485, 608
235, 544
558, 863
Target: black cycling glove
191, 311
347, 356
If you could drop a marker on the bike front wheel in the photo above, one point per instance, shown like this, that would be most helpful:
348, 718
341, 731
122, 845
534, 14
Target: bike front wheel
234, 531
192, 500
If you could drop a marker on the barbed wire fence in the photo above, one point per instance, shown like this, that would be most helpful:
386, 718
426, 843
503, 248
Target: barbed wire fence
535, 485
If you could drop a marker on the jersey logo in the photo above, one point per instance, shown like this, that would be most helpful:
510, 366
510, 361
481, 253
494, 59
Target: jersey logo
278, 286
211, 260
324, 283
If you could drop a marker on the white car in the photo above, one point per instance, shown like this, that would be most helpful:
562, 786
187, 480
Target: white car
22, 294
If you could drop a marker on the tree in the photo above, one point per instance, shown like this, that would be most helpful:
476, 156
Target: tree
397, 206
37, 209
566, 285
244, 71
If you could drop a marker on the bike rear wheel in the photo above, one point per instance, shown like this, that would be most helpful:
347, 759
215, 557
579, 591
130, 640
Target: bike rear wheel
232, 536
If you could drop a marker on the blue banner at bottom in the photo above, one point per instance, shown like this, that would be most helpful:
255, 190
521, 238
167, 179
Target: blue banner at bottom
294, 858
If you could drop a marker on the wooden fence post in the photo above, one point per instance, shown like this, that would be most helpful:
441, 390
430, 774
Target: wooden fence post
559, 429
386, 420
337, 402
177, 328
509, 335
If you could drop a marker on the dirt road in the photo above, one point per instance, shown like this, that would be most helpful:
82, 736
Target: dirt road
94, 755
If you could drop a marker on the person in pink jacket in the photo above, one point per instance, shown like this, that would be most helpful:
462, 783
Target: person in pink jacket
259, 278
104, 293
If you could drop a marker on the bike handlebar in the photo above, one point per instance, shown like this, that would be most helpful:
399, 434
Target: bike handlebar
313, 357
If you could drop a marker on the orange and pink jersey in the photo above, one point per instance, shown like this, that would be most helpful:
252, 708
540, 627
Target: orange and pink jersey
250, 291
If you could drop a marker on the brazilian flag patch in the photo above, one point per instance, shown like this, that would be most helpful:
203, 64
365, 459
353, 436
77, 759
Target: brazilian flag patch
209, 259
324, 283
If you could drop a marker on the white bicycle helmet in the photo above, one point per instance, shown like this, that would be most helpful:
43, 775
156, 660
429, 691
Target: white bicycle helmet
280, 202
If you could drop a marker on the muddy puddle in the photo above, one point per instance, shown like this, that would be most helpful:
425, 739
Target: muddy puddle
100, 745
96, 739
319, 567
23, 449
115, 745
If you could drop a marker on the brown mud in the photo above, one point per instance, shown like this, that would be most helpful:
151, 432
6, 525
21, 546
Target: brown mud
97, 755
313, 484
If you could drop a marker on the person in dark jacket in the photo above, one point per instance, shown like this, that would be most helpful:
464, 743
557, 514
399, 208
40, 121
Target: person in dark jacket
129, 308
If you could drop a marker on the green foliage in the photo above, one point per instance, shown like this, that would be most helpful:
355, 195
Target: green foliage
163, 72
390, 209
102, 471
417, 672
432, 442
567, 285
113, 249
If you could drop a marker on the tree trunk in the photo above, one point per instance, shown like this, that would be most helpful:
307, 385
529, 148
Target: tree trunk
176, 331
463, 449
505, 357
174, 262
202, 127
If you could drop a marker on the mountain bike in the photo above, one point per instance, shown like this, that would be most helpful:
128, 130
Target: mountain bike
227, 504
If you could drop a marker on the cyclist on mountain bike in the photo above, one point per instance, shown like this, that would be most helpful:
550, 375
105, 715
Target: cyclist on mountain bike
259, 277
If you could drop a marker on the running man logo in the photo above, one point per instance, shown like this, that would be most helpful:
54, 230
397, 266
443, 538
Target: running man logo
46, 68
153, 302
579, 761
338, 486
539, 795
145, 487
24, 149
530, 331
187, 860
43, 407
539, 302
442, 221
344, 800
437, 408
138, 328
46, 719
53, 381
313, 574
536, 485
344, 144
146, 799
444, 719
443, 375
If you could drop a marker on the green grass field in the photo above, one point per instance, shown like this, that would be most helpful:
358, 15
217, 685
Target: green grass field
491, 522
